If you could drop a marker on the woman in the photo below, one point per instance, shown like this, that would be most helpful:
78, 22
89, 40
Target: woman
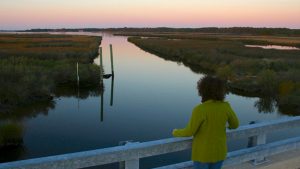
208, 125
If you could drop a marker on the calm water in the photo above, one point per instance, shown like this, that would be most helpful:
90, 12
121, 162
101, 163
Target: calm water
151, 96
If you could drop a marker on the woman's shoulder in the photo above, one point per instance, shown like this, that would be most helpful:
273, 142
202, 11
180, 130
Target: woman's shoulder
198, 106
213, 104
208, 102
226, 102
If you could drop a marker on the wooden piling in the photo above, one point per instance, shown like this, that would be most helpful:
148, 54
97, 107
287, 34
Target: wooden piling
111, 60
101, 64
100, 54
77, 74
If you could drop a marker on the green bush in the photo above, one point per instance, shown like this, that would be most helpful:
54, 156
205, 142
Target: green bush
11, 134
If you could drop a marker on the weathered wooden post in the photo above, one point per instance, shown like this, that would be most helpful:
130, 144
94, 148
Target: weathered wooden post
77, 75
101, 64
100, 54
111, 59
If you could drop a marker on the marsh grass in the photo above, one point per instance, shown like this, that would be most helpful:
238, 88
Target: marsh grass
33, 66
44, 46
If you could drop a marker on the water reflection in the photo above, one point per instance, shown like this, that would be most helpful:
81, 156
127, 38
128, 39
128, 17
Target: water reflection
112, 91
81, 92
111, 98
30, 111
102, 106
11, 140
11, 127
265, 104
12, 153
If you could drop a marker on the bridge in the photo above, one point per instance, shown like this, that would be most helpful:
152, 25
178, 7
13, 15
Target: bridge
131, 153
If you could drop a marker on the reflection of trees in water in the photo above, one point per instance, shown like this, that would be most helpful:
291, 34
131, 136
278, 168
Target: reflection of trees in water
82, 92
11, 153
11, 129
29, 111
289, 109
38, 108
290, 104
265, 104
11, 134
11, 141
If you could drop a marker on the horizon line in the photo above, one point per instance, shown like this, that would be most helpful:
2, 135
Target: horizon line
137, 27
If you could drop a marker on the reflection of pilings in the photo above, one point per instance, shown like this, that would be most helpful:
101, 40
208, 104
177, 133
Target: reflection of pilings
78, 95
78, 90
101, 79
112, 91
77, 75
101, 113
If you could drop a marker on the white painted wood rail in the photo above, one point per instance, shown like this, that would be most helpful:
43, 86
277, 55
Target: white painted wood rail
131, 153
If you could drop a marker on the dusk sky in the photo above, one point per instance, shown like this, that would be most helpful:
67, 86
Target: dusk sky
26, 14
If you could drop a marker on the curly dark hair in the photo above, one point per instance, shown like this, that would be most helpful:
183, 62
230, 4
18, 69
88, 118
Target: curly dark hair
211, 88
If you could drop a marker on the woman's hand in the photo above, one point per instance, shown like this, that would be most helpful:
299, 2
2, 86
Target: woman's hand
174, 131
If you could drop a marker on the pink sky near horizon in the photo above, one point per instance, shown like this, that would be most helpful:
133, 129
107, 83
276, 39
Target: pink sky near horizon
26, 14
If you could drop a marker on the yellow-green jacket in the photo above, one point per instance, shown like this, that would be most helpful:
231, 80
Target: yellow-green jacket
208, 126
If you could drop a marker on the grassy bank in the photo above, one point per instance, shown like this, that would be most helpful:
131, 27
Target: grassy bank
33, 66
229, 30
256, 71
49, 47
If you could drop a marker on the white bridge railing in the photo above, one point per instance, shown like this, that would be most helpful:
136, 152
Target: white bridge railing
131, 153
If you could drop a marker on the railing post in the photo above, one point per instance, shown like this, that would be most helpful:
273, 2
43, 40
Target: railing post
255, 141
129, 164
259, 140
132, 164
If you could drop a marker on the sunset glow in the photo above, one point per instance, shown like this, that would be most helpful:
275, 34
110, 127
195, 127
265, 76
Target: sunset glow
26, 14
